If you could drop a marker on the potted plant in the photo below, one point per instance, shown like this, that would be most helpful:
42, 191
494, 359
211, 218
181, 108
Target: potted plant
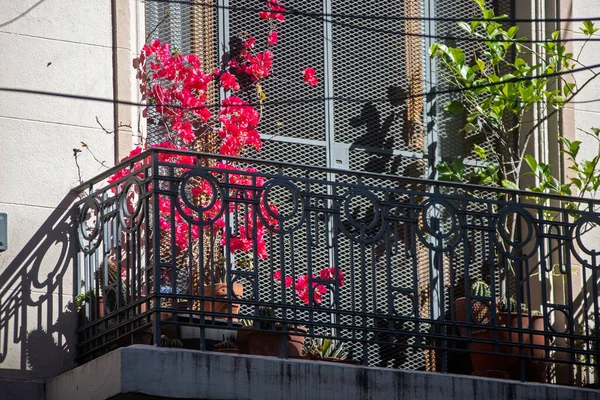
486, 358
326, 349
226, 346
266, 337
216, 286
508, 315
80, 302
480, 310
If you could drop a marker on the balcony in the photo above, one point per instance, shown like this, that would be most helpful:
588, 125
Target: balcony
182, 249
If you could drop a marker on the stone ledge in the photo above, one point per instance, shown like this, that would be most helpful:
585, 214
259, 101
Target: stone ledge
146, 372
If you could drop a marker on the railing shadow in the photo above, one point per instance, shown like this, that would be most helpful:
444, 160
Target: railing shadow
37, 324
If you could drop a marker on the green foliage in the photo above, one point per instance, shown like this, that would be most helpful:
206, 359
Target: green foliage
500, 87
484, 172
83, 298
324, 348
584, 178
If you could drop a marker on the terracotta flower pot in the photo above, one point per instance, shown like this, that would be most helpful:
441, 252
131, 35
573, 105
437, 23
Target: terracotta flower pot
219, 290
270, 343
535, 370
262, 343
296, 340
506, 359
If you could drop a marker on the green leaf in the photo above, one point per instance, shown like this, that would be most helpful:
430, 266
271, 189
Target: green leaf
531, 161
479, 151
457, 55
481, 64
569, 89
466, 27
509, 184
512, 31
470, 128
455, 107
588, 28
481, 3
433, 49
458, 165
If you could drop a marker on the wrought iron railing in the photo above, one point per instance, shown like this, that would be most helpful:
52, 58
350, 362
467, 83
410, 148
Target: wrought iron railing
189, 249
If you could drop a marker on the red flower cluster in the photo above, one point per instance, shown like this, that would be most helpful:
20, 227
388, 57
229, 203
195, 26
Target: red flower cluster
181, 226
274, 13
238, 126
272, 38
177, 85
257, 67
229, 82
309, 76
302, 284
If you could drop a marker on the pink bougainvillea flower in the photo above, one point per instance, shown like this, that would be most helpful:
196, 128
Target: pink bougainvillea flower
249, 43
302, 290
288, 279
229, 82
272, 38
274, 13
329, 273
309, 76
184, 130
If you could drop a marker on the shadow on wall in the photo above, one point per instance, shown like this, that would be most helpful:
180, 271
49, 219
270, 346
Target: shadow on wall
37, 327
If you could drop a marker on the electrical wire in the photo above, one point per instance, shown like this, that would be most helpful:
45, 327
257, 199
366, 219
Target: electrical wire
302, 101
289, 10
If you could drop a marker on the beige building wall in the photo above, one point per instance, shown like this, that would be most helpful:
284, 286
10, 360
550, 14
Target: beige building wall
68, 47
587, 105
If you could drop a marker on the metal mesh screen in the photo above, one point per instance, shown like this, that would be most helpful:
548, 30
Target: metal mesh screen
375, 68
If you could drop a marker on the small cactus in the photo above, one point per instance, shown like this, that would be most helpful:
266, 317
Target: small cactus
225, 345
480, 289
509, 305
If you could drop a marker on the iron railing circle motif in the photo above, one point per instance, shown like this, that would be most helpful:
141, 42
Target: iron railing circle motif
91, 236
125, 214
553, 327
503, 237
201, 210
442, 241
297, 209
363, 228
110, 298
577, 235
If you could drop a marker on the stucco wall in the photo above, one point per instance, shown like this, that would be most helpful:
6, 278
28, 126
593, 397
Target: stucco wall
63, 46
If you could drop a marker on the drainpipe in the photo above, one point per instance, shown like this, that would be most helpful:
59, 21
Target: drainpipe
113, 5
